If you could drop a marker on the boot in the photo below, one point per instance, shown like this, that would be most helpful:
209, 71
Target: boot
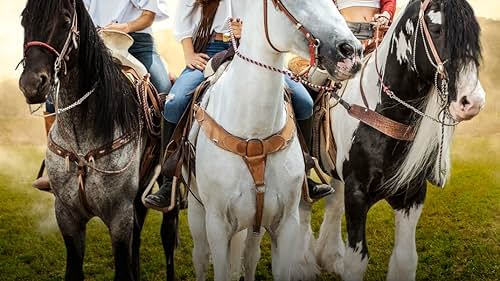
42, 182
316, 191
161, 198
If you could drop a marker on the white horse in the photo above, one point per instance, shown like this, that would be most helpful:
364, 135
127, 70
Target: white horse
248, 102
373, 166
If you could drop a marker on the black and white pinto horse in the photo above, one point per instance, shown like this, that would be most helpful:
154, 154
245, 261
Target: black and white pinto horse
65, 58
404, 81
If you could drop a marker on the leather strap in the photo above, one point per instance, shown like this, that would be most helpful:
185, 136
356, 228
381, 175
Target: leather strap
266, 29
253, 151
82, 162
382, 124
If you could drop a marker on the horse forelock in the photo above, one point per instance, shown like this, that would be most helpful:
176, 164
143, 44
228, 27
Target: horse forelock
462, 39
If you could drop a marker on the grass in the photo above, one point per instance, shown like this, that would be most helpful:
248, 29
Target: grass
457, 238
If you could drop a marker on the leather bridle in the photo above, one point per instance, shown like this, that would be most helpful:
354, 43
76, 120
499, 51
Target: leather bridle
71, 42
313, 42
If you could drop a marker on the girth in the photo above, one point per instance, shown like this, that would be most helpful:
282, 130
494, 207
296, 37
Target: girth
83, 161
253, 151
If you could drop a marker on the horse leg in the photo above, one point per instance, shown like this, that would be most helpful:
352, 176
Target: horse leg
330, 248
140, 217
219, 234
404, 259
122, 236
285, 261
251, 254
168, 233
197, 227
308, 265
73, 231
237, 248
356, 256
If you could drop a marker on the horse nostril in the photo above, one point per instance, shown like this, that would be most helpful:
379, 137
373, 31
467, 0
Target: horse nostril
44, 78
464, 102
346, 50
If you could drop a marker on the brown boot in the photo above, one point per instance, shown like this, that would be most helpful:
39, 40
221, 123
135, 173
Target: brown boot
42, 182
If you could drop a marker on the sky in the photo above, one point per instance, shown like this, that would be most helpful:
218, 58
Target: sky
11, 33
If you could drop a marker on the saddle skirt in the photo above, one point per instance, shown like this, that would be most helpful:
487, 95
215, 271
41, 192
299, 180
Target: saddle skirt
118, 43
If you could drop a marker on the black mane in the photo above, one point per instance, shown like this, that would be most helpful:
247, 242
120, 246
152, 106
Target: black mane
112, 103
462, 38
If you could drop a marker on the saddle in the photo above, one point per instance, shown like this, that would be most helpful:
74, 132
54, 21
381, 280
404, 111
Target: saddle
118, 43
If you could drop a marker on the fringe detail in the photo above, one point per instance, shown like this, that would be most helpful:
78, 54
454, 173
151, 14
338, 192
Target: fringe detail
203, 31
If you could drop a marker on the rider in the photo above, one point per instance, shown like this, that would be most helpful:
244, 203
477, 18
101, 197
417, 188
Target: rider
134, 17
201, 27
360, 14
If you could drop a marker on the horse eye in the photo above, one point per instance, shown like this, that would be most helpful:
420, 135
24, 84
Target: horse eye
67, 21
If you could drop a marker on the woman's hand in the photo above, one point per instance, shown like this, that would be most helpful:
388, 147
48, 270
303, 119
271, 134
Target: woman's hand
196, 60
382, 19
123, 27
236, 26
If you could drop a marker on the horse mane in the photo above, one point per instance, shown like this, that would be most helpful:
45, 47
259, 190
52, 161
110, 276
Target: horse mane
462, 33
113, 106
114, 96
462, 39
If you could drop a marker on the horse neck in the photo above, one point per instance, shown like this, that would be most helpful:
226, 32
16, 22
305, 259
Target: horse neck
250, 102
401, 78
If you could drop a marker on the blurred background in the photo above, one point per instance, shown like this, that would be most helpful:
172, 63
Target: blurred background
458, 236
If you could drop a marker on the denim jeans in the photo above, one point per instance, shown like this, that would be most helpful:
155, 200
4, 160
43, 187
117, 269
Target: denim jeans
189, 79
361, 30
144, 50
186, 83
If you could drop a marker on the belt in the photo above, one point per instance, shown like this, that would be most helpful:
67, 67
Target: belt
224, 37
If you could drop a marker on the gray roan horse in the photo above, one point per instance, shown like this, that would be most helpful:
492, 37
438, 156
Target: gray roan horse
96, 105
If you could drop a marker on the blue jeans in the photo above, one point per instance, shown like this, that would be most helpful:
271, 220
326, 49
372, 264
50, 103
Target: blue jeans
186, 83
189, 79
144, 50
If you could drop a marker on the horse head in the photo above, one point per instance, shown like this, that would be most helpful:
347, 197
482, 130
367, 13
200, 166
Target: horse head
443, 49
316, 30
50, 38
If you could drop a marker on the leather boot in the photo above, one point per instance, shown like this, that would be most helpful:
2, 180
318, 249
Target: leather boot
42, 182
161, 198
316, 191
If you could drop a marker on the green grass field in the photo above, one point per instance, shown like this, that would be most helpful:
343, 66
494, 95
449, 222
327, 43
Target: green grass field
457, 239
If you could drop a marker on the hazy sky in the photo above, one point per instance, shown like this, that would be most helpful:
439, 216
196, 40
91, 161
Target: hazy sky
11, 33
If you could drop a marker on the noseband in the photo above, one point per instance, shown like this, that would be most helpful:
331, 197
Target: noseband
313, 42
70, 43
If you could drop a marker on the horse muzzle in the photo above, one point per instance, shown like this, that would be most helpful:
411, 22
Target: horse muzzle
35, 86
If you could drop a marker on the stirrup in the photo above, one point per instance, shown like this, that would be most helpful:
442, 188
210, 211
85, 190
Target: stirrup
147, 191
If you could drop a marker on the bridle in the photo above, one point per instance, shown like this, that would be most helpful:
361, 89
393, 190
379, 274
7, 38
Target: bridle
71, 42
435, 60
313, 42
62, 57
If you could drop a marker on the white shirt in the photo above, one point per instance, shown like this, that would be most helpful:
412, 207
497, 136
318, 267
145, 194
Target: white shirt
188, 17
342, 4
104, 12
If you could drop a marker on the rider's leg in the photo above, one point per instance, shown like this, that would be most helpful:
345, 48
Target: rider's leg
42, 183
178, 100
303, 108
144, 50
